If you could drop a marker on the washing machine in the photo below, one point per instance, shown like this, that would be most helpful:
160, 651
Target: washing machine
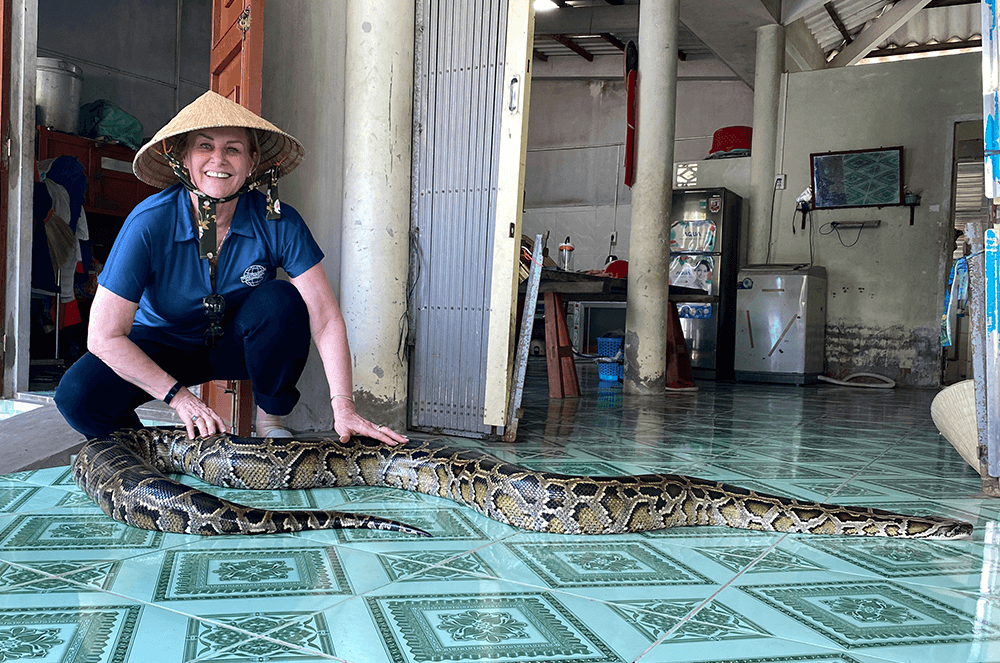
780, 323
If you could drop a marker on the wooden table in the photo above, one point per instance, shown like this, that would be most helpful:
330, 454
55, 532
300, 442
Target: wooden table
558, 287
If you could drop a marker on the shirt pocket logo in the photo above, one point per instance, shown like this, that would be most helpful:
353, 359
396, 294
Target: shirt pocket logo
254, 275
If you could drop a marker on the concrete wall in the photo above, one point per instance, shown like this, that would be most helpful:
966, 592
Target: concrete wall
885, 291
576, 133
303, 94
127, 49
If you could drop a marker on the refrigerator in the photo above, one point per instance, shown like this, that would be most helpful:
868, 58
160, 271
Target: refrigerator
707, 248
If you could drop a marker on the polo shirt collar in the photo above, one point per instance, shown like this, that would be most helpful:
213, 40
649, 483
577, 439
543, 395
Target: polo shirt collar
184, 228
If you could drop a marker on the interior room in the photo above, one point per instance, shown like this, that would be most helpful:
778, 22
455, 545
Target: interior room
825, 155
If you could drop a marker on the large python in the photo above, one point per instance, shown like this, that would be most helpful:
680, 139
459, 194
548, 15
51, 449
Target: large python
125, 474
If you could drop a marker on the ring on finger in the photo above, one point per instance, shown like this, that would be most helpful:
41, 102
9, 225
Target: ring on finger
194, 418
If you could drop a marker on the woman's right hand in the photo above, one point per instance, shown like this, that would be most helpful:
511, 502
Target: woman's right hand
197, 417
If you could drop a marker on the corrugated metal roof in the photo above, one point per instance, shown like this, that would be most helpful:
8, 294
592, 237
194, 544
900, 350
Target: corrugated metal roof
928, 26
938, 25
853, 13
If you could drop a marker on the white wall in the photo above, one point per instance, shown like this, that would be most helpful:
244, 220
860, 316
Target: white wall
127, 48
885, 293
303, 94
576, 130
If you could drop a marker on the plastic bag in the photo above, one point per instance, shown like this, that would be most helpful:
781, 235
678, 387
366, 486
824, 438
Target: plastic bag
102, 119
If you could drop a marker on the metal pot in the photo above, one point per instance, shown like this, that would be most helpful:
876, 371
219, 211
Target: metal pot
58, 84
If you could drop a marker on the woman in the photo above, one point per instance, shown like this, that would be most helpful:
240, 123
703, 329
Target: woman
702, 272
189, 294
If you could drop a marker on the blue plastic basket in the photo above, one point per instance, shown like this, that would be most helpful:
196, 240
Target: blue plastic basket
608, 346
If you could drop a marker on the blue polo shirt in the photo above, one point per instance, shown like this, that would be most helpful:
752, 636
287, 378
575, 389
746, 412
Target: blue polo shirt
154, 261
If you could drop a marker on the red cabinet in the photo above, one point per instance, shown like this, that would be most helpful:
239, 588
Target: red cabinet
112, 188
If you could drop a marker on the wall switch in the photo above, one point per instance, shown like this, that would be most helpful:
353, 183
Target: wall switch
779, 182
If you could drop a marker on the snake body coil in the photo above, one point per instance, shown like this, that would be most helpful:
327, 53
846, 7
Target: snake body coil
124, 474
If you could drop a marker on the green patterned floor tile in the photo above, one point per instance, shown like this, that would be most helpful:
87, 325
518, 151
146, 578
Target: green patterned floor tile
604, 564
574, 467
504, 627
738, 558
378, 495
714, 622
78, 500
12, 498
291, 636
74, 532
873, 614
37, 579
762, 470
49, 476
435, 565
250, 573
68, 635
929, 488
899, 558
804, 658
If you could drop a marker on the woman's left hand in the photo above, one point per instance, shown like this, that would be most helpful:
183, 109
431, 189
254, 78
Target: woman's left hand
348, 422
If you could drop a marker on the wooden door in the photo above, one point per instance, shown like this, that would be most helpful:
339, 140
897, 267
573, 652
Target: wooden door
238, 50
5, 9
236, 62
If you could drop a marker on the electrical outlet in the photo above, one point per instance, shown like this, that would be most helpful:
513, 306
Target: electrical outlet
779, 182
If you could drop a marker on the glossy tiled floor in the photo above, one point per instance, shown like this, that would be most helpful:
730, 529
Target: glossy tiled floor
76, 586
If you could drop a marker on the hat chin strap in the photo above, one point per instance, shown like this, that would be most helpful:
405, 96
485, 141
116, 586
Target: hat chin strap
206, 210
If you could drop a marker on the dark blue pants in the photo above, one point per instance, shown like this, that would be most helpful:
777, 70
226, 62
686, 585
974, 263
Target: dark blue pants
266, 341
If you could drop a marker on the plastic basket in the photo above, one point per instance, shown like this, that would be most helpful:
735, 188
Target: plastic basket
608, 346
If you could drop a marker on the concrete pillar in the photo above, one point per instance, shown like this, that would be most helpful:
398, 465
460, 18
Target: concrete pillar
649, 242
766, 93
376, 213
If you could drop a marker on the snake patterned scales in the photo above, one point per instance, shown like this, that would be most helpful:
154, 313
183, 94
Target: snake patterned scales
125, 474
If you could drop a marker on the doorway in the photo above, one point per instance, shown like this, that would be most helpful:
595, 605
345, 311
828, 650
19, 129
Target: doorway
969, 204
108, 41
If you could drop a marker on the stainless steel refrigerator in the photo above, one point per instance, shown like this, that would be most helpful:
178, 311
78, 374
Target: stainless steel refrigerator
706, 252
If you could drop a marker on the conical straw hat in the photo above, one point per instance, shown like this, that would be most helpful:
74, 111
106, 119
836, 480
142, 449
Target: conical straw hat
212, 110
954, 413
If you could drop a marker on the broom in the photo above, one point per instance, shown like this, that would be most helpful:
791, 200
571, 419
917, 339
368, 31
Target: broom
62, 241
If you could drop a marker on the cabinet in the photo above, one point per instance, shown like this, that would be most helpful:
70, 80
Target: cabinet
112, 188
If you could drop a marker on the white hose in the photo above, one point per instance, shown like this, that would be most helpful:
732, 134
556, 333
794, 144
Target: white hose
884, 382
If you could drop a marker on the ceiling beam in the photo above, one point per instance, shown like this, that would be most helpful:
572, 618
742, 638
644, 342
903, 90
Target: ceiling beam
538, 55
573, 46
590, 20
802, 53
877, 32
926, 48
615, 2
613, 40
835, 17
951, 3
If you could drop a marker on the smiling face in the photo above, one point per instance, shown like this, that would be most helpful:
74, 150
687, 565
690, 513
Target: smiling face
219, 159
701, 272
